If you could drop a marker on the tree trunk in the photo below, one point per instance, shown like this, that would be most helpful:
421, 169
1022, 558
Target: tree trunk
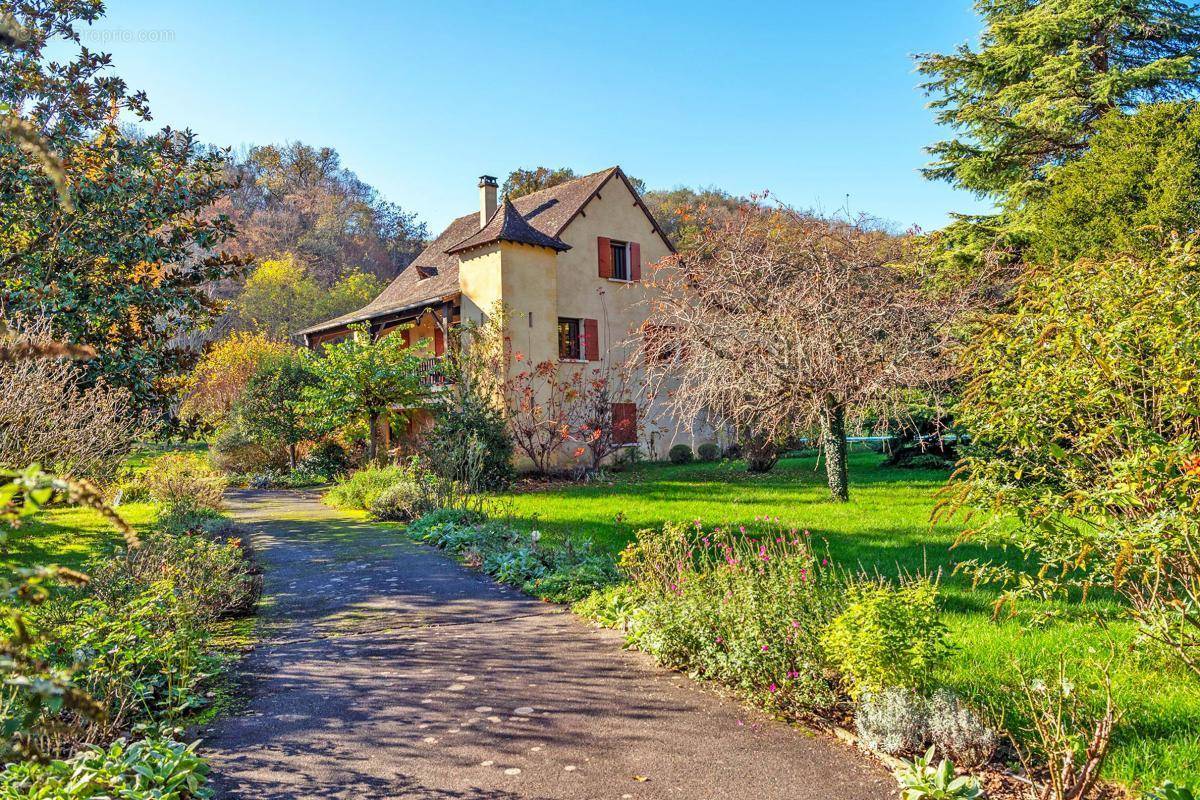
372, 438
833, 441
292, 456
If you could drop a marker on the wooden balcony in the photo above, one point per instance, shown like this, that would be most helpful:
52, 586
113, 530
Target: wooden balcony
432, 376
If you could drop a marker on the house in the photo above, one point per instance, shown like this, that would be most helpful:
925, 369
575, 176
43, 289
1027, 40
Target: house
568, 263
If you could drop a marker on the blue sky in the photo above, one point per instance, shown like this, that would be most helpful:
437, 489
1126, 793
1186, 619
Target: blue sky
816, 101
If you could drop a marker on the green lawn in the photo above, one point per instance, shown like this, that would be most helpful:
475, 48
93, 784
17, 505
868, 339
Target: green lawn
886, 526
69, 537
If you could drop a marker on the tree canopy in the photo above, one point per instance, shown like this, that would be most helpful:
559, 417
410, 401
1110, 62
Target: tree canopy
299, 199
124, 266
1045, 73
280, 297
779, 323
522, 181
365, 380
1138, 183
270, 409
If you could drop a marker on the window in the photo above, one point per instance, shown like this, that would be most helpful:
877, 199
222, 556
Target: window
624, 422
570, 339
620, 260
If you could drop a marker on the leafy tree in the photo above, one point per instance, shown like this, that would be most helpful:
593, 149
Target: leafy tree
1138, 183
366, 380
351, 292
1082, 401
299, 199
124, 266
675, 209
527, 181
212, 389
280, 297
271, 409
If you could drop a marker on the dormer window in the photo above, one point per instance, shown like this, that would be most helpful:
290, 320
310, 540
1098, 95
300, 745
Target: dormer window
426, 272
620, 260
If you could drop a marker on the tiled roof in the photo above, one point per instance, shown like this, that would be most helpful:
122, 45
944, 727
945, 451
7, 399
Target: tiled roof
507, 225
546, 212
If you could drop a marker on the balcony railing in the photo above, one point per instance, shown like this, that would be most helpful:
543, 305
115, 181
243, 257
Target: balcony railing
432, 375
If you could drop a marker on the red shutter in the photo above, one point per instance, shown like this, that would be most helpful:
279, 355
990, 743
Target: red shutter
591, 340
624, 422
439, 342
604, 251
635, 261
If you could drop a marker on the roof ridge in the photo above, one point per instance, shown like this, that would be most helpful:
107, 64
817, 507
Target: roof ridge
577, 179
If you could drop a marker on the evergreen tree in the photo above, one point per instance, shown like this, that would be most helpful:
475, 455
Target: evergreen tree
1045, 72
1137, 186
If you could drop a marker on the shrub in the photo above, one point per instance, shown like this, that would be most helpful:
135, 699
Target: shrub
892, 721
959, 731
921, 780
184, 483
709, 451
1172, 791
212, 579
142, 658
1095, 489
327, 458
218, 379
234, 451
52, 416
745, 609
470, 444
680, 454
148, 769
926, 461
1066, 724
400, 501
129, 488
559, 574
887, 636
611, 607
359, 489
459, 517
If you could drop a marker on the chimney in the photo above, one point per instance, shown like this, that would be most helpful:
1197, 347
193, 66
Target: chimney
487, 198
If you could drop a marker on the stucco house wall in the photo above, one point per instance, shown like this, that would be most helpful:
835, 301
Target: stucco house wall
540, 259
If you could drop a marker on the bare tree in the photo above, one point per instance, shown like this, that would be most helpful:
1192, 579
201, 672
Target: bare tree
781, 323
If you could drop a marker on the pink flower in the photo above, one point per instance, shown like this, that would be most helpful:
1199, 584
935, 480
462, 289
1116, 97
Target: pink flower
720, 640
741, 528
772, 688
793, 674
795, 623
765, 648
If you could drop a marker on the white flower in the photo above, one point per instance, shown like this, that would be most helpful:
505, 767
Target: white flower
535, 536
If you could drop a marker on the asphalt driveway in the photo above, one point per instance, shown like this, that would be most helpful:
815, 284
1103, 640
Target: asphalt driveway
388, 671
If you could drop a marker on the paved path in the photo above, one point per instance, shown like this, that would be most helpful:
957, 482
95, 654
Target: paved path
388, 671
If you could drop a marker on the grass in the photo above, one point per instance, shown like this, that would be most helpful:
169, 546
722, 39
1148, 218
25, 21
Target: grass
887, 527
69, 537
